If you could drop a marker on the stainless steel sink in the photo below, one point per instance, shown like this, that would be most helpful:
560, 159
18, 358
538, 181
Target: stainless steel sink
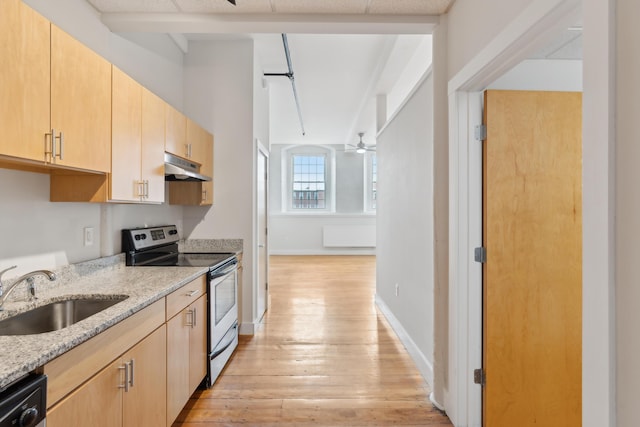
55, 316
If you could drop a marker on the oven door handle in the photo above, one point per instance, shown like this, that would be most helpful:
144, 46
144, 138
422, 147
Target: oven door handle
231, 267
231, 336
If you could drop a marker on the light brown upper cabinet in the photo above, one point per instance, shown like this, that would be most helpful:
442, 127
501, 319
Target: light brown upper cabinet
137, 144
80, 105
24, 79
153, 142
196, 193
56, 94
176, 132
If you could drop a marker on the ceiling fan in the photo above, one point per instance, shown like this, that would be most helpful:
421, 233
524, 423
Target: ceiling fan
361, 147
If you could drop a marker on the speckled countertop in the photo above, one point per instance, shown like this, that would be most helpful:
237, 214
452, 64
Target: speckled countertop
104, 278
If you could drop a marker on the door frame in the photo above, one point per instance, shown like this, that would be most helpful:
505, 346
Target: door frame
260, 149
529, 31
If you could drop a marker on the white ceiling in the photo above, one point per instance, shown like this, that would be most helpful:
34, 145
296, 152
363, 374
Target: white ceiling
387, 7
344, 52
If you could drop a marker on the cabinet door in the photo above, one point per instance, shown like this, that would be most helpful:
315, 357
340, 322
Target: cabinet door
24, 79
177, 363
145, 400
126, 130
98, 403
207, 169
198, 344
176, 132
153, 142
80, 104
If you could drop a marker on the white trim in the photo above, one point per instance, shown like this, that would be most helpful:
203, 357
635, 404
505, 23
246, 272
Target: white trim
540, 21
537, 25
323, 215
355, 251
260, 149
247, 328
598, 216
413, 91
422, 363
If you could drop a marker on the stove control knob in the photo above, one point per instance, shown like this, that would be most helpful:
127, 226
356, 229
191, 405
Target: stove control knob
172, 232
137, 237
28, 417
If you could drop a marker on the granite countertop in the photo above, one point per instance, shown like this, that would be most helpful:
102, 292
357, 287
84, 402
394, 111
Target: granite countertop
102, 278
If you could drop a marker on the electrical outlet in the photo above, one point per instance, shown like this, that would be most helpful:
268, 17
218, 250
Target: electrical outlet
397, 289
88, 236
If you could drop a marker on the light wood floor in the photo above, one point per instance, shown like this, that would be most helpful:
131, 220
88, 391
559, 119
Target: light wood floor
324, 356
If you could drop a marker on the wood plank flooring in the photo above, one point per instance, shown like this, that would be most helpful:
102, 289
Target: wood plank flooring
324, 356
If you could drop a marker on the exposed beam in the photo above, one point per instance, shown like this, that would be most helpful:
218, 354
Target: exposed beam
183, 23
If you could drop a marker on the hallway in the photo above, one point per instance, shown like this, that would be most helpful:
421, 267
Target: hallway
323, 356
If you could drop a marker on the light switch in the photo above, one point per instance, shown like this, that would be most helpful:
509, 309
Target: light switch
88, 236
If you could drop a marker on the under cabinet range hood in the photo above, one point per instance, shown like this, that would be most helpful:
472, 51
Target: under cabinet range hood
179, 169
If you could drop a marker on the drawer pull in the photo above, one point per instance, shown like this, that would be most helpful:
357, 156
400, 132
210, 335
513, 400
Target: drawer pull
194, 292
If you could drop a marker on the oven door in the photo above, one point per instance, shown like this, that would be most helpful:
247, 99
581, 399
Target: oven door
223, 306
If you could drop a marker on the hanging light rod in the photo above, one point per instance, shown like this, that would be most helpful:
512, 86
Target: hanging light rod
289, 74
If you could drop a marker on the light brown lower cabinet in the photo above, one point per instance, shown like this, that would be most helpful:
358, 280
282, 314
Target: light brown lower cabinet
129, 392
186, 355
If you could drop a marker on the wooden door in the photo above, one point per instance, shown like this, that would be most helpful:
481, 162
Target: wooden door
98, 403
263, 259
153, 129
80, 103
24, 79
126, 128
198, 350
532, 223
145, 403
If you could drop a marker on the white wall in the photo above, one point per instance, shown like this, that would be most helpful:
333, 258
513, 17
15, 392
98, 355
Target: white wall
219, 89
542, 74
473, 24
405, 219
627, 214
301, 234
157, 67
43, 234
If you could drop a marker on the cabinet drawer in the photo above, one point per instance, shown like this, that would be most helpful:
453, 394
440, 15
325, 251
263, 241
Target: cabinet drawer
185, 295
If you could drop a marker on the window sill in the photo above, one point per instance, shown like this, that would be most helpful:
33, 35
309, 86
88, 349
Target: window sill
324, 214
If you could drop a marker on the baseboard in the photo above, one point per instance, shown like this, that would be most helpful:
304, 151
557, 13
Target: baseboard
423, 364
248, 328
343, 251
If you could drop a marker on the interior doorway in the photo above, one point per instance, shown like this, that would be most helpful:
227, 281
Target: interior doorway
262, 203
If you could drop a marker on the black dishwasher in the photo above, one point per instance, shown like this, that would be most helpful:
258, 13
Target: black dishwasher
24, 404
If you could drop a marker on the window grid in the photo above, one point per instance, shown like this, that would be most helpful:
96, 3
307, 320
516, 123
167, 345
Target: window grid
308, 182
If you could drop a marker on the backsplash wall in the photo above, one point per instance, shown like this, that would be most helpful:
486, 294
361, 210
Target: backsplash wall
36, 233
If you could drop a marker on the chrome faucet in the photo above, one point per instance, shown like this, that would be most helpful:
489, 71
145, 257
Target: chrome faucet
4, 294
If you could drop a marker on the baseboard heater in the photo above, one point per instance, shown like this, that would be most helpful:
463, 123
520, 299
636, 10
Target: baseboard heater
349, 236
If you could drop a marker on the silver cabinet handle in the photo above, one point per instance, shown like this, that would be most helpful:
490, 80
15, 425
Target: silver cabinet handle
190, 152
204, 195
192, 293
140, 190
146, 189
190, 320
53, 144
186, 154
125, 367
131, 366
195, 318
61, 137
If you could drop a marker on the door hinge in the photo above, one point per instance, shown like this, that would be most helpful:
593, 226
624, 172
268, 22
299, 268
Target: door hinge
481, 132
479, 377
480, 254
